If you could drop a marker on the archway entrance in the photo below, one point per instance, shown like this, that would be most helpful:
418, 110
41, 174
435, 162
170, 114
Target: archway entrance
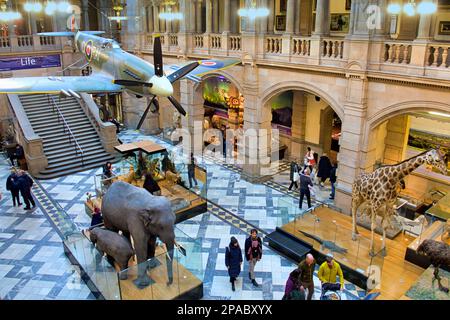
223, 111
304, 119
407, 135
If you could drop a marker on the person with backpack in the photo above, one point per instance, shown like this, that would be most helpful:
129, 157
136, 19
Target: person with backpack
253, 253
305, 184
233, 260
292, 290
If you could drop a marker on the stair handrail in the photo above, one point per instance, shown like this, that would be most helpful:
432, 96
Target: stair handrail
71, 65
66, 125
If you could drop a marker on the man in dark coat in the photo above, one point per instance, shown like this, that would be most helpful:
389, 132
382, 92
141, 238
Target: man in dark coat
20, 156
324, 169
25, 183
305, 183
191, 171
13, 187
294, 169
233, 260
333, 180
253, 253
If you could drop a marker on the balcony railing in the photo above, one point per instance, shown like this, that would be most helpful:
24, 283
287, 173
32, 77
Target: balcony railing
301, 46
273, 45
216, 41
393, 56
173, 40
235, 42
29, 43
438, 56
397, 52
333, 48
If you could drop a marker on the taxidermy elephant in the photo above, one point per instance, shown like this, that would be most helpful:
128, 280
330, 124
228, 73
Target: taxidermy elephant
143, 216
115, 246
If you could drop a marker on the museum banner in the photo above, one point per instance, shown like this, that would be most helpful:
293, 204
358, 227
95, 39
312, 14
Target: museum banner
29, 62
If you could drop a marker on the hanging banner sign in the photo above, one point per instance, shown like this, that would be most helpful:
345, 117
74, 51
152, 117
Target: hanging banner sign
30, 62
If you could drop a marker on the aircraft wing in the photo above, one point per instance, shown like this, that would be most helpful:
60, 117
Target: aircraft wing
205, 67
36, 85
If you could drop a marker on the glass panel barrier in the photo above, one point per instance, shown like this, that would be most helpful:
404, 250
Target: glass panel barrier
185, 261
94, 265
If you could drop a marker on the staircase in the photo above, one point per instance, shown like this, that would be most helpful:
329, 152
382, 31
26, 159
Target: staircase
63, 156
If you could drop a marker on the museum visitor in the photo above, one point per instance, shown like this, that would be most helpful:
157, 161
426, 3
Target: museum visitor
307, 267
253, 253
233, 260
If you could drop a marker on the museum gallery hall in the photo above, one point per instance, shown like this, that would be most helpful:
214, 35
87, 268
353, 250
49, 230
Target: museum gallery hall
225, 150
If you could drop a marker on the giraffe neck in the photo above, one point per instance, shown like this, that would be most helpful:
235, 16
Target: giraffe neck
409, 166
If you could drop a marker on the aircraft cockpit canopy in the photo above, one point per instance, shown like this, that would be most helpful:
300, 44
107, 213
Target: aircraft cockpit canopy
110, 44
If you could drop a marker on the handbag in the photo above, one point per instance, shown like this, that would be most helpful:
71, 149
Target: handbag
296, 176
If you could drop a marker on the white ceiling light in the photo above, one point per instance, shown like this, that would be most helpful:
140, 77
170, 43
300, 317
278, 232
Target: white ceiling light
9, 15
394, 8
409, 9
426, 7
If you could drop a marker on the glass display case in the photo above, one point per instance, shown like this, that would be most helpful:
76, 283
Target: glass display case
186, 190
108, 282
327, 231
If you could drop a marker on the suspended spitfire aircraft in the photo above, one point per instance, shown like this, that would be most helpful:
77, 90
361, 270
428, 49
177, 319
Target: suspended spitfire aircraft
114, 70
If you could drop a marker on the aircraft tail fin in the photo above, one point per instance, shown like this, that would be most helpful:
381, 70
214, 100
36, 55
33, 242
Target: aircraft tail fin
68, 33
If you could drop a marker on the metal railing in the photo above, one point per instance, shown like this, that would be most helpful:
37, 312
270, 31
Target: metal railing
78, 149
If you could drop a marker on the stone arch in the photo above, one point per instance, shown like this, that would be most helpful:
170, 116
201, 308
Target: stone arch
302, 86
221, 73
400, 109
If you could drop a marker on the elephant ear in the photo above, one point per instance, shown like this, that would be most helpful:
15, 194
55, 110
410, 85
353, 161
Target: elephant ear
147, 217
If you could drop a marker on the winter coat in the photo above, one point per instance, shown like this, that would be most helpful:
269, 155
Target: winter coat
305, 182
333, 175
290, 285
24, 183
324, 167
257, 252
233, 259
294, 168
12, 183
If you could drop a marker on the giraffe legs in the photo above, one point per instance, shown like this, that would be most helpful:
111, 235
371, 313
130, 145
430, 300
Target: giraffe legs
438, 278
373, 226
355, 204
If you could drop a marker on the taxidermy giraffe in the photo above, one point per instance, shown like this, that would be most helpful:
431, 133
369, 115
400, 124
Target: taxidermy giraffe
379, 190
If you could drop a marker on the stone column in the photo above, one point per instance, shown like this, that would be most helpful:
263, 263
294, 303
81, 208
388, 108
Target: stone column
382, 30
290, 17
198, 16
271, 17
156, 18
299, 107
424, 27
322, 18
85, 13
297, 16
263, 20
192, 21
226, 16
209, 13
396, 139
234, 16
33, 26
353, 125
184, 9
216, 21
168, 23
192, 100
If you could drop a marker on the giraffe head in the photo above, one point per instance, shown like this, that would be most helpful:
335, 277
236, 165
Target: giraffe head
436, 159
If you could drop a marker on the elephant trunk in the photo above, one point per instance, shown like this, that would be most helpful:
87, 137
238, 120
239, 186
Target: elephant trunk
169, 259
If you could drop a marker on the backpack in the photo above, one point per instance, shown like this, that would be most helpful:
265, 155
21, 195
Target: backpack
295, 294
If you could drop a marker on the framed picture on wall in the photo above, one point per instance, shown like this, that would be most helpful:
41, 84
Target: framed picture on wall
444, 28
339, 22
280, 23
348, 5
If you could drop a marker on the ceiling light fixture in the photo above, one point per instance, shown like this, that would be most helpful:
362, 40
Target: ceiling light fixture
411, 8
253, 12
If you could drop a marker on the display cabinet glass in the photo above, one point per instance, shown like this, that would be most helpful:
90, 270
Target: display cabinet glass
106, 281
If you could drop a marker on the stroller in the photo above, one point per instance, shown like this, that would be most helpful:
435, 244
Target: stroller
331, 291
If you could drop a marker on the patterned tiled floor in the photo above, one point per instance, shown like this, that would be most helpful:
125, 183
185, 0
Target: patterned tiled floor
235, 207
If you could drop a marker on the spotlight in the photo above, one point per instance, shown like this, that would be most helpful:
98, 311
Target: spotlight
64, 7
426, 7
50, 8
394, 8
409, 9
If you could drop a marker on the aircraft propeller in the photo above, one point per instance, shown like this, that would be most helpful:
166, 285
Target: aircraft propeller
160, 83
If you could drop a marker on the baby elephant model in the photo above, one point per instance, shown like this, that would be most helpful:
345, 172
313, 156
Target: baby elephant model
143, 216
115, 246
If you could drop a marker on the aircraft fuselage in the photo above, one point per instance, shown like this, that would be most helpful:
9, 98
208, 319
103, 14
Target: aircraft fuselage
106, 57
